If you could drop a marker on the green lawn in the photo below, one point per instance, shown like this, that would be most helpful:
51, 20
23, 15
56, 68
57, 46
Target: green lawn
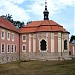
38, 68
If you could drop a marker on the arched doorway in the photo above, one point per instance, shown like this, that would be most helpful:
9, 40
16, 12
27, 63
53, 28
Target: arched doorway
43, 45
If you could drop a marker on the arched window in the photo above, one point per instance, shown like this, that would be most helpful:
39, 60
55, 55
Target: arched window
43, 45
65, 44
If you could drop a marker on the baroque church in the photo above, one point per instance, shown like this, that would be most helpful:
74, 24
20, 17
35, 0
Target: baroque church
38, 40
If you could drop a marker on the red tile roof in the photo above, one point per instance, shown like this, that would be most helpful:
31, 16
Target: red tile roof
7, 24
41, 26
35, 26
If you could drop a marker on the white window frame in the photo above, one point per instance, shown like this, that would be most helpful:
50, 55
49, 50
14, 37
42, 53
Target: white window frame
8, 35
22, 48
9, 48
4, 34
12, 36
1, 48
23, 39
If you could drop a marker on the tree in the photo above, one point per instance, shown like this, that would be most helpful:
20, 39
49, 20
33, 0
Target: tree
18, 24
72, 38
29, 22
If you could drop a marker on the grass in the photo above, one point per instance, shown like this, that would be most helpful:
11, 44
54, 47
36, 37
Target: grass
38, 68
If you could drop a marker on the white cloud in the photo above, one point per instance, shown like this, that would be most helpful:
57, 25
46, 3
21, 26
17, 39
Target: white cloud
37, 7
67, 2
16, 1
69, 28
54, 6
10, 7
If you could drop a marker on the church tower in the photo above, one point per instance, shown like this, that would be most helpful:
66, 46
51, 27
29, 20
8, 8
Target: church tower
46, 13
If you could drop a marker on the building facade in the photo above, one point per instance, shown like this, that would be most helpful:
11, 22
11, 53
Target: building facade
38, 40
9, 42
44, 41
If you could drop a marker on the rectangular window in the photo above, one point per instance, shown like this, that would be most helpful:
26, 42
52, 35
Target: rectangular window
23, 48
12, 36
12, 48
8, 48
15, 48
23, 38
8, 35
3, 34
2, 48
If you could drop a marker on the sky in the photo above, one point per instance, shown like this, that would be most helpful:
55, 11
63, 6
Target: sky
60, 11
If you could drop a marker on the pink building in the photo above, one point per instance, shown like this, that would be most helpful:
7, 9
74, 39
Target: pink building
9, 41
44, 40
38, 40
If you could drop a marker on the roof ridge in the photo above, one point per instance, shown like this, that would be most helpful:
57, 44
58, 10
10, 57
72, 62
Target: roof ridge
51, 25
39, 25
